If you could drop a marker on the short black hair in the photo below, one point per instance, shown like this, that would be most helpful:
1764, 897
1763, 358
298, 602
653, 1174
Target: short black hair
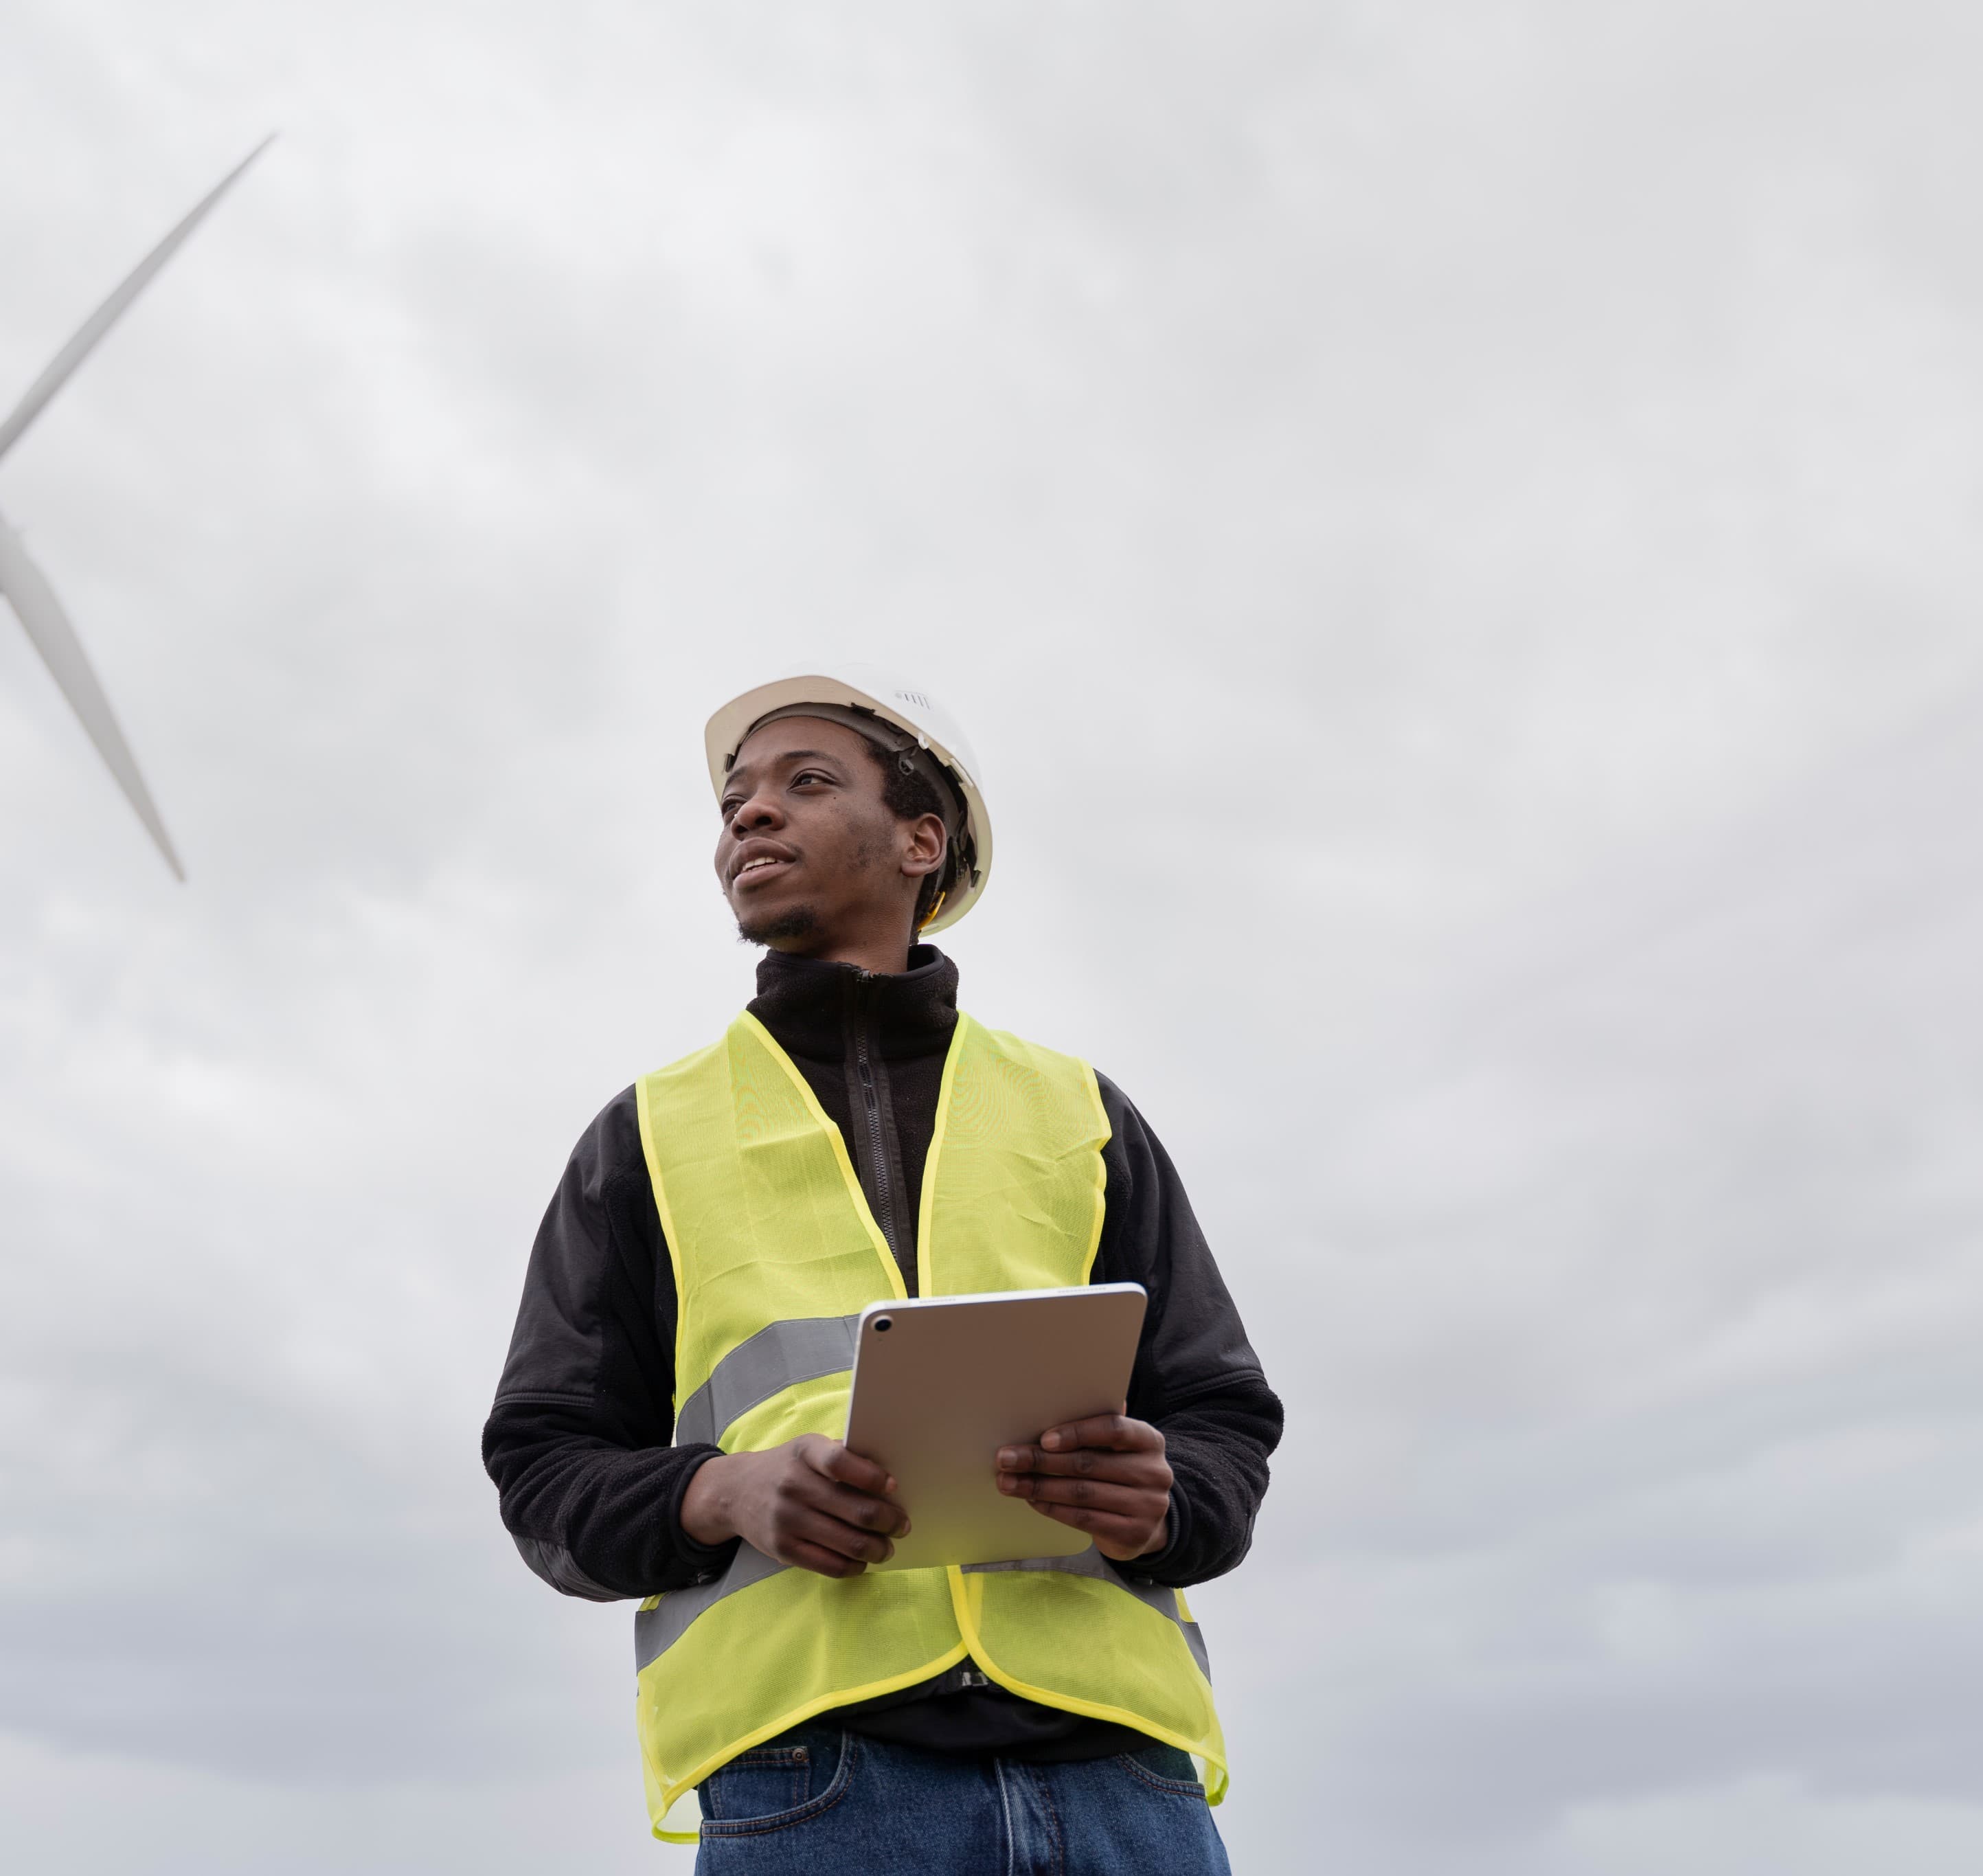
908, 794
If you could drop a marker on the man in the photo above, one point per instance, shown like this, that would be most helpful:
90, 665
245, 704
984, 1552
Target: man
665, 1426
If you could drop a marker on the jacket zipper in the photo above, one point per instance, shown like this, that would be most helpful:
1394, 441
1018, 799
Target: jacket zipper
885, 1198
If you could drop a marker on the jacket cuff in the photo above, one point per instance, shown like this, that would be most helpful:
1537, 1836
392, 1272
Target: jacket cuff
1155, 1565
702, 1563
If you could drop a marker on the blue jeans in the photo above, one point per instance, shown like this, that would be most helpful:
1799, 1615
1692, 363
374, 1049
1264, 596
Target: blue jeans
816, 1801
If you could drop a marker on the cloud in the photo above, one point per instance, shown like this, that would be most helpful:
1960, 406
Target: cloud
1634, 1327
1452, 529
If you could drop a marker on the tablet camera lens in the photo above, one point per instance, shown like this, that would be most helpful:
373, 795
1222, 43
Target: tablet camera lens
883, 1323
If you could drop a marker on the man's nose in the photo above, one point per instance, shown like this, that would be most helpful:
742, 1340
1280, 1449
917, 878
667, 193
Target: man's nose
760, 809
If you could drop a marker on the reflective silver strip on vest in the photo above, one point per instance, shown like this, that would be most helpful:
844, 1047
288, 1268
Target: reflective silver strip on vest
779, 1355
1194, 1640
657, 1629
1091, 1563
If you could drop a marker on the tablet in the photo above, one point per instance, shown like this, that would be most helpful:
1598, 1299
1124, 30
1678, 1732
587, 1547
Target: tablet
942, 1383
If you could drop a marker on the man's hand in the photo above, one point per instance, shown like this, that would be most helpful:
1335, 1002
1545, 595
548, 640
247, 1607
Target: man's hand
809, 1503
1107, 1476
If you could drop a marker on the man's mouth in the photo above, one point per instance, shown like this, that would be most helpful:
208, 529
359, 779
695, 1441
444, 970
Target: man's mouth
757, 868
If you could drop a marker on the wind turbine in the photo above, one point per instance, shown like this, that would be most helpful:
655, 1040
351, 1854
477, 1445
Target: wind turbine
22, 582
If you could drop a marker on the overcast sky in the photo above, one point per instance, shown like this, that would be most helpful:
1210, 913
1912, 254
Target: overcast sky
1453, 528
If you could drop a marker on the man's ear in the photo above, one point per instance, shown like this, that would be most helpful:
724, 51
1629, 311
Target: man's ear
927, 844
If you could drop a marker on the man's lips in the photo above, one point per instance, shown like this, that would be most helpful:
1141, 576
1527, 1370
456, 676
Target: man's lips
755, 869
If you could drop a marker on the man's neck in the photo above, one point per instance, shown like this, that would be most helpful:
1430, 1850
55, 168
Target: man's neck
882, 956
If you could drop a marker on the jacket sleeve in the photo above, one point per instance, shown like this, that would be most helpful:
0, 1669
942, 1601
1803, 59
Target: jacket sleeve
577, 1442
1196, 1378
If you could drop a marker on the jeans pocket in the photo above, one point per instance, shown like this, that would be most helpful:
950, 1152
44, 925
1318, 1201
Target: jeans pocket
782, 1782
1164, 1767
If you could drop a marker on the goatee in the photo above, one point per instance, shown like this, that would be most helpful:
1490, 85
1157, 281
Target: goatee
800, 922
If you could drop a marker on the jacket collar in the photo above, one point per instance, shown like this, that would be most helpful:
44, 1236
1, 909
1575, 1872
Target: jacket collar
808, 1006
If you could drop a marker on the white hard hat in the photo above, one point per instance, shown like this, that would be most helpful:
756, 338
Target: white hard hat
908, 708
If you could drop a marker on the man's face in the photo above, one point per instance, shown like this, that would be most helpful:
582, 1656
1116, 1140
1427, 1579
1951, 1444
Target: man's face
809, 850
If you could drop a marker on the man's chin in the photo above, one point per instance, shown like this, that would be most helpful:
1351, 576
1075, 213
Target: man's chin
779, 930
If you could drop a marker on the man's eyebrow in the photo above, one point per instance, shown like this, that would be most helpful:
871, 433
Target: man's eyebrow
786, 755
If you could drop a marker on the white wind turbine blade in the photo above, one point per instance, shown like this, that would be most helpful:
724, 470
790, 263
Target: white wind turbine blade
55, 638
106, 315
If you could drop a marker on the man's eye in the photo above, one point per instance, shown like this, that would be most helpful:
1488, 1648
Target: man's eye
730, 804
810, 774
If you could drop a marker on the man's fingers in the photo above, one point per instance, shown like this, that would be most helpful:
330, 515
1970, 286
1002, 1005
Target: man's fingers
1115, 1431
865, 1513
820, 1561
1120, 1538
1089, 1517
832, 1460
1139, 1468
813, 1520
1127, 1501
819, 1487
826, 1533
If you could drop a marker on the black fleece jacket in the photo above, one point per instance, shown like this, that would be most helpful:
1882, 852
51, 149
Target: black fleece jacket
577, 1442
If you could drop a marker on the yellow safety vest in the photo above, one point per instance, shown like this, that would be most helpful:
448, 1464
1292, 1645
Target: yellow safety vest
775, 1254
